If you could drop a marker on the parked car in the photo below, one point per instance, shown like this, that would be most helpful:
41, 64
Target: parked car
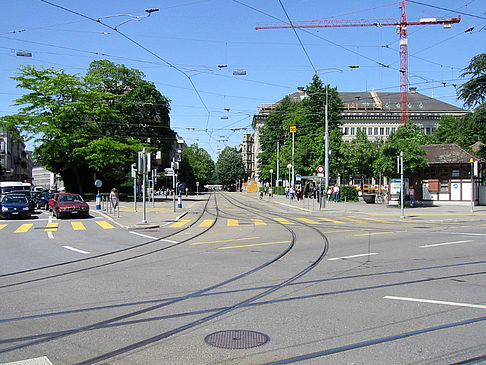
43, 202
69, 204
15, 205
53, 198
30, 197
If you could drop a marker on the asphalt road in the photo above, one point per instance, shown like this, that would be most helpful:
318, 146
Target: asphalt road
312, 288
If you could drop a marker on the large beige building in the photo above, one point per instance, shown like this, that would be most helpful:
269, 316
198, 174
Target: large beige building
378, 114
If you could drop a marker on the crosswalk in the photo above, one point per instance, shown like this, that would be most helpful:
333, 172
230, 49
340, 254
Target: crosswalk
54, 226
260, 222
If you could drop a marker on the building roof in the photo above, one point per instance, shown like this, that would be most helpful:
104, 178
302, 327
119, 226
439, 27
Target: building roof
448, 154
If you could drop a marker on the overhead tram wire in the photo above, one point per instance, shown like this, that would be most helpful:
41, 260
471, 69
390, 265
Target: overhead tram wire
138, 44
298, 38
445, 9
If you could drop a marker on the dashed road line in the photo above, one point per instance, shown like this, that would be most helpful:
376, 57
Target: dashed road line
77, 250
445, 243
253, 245
456, 304
352, 256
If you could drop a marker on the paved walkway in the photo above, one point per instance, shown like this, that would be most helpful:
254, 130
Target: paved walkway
162, 212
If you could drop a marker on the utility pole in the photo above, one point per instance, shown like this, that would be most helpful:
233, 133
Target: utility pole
326, 146
278, 162
402, 185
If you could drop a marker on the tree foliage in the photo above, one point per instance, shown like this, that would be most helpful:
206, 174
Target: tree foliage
196, 166
473, 92
90, 126
229, 167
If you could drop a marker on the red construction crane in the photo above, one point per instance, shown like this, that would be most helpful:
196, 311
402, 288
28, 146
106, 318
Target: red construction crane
401, 29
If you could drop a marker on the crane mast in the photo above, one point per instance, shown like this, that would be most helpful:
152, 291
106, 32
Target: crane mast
401, 25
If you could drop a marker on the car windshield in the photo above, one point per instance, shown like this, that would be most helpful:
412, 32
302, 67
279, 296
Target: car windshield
15, 199
70, 198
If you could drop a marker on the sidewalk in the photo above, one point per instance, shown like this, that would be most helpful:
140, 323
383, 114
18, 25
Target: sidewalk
163, 211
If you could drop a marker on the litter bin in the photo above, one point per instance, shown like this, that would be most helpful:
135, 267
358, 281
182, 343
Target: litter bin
369, 198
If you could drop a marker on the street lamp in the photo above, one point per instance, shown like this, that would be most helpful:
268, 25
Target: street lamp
271, 179
289, 166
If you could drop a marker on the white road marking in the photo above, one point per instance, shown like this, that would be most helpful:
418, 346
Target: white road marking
351, 257
445, 243
436, 302
465, 234
152, 238
76, 250
50, 235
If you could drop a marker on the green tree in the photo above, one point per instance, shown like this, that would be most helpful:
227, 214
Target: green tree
360, 155
473, 92
196, 166
229, 167
408, 139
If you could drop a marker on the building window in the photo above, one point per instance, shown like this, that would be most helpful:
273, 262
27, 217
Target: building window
370, 131
346, 131
352, 131
376, 131
444, 186
427, 130
456, 173
382, 131
393, 130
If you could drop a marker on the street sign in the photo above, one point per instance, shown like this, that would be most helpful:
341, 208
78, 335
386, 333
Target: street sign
179, 185
320, 169
298, 177
293, 129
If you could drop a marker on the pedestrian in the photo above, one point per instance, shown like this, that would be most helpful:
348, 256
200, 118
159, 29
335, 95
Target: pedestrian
330, 193
114, 198
411, 191
187, 191
336, 193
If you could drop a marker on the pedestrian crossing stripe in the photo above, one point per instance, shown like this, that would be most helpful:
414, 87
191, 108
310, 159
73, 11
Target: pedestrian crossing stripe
2, 226
232, 222
180, 223
207, 223
307, 220
258, 222
78, 226
377, 220
51, 227
352, 219
24, 228
105, 225
283, 221
330, 220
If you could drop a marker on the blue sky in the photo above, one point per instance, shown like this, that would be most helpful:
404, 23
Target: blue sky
186, 40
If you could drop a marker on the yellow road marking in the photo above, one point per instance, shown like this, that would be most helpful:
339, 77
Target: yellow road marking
283, 221
253, 245
51, 227
2, 226
258, 222
232, 222
352, 219
221, 241
330, 220
24, 228
78, 226
377, 220
105, 225
341, 230
307, 220
181, 223
207, 223
375, 233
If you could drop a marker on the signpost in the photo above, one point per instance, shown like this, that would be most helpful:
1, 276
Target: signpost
293, 129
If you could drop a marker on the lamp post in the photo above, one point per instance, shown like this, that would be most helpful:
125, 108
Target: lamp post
271, 180
289, 166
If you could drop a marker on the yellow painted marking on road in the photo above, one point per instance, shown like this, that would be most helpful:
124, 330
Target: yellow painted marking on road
51, 227
222, 241
307, 220
78, 226
2, 226
352, 219
258, 222
376, 233
181, 223
330, 220
377, 220
24, 228
283, 221
340, 230
232, 222
105, 225
253, 245
207, 223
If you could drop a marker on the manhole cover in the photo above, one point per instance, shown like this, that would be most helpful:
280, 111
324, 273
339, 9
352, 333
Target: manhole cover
236, 339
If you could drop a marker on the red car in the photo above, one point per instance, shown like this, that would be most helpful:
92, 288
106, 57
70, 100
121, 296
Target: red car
53, 198
69, 204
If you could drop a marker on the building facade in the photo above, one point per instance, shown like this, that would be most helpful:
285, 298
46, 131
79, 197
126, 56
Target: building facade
378, 114
15, 161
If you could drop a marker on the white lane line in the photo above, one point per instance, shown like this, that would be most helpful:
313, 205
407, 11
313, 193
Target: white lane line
436, 302
50, 235
464, 234
351, 257
151, 237
76, 250
445, 244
